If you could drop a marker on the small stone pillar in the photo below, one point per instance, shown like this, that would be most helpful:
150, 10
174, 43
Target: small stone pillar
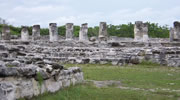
0, 35
6, 35
141, 31
103, 35
176, 31
171, 35
53, 32
36, 32
24, 33
83, 34
69, 31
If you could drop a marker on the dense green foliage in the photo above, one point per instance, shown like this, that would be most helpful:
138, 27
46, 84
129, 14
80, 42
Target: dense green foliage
123, 30
155, 30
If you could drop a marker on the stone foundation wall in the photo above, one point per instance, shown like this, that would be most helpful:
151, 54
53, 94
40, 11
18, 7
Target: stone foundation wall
117, 53
24, 82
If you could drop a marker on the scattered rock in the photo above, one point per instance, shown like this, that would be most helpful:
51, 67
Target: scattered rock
57, 66
43, 74
8, 71
93, 39
16, 63
2, 64
49, 68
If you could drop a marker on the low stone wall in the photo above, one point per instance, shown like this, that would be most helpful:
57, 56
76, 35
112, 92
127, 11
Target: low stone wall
29, 81
117, 53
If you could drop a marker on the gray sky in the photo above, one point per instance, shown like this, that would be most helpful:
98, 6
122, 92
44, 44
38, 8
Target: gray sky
43, 12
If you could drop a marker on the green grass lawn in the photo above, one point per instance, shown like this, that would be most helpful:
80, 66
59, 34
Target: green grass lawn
144, 76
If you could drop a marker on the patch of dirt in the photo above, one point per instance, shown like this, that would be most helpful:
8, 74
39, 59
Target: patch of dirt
118, 84
108, 83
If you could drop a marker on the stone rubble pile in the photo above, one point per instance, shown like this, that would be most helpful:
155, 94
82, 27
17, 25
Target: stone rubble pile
18, 81
19, 77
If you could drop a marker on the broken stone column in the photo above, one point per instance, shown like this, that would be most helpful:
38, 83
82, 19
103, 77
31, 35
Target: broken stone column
53, 32
141, 31
103, 35
83, 34
6, 35
69, 31
145, 32
36, 32
176, 31
24, 33
171, 34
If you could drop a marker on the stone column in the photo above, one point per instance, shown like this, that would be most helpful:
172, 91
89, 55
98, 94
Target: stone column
36, 32
176, 31
69, 31
83, 34
145, 32
141, 32
24, 33
6, 35
53, 32
103, 35
171, 34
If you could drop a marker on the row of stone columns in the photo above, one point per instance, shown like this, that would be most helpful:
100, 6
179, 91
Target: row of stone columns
83, 34
35, 33
140, 32
53, 32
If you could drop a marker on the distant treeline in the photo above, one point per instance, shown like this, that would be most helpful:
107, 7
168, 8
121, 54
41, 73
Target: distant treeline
123, 30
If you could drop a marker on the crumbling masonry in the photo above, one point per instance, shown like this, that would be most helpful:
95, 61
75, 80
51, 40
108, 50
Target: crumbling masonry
22, 59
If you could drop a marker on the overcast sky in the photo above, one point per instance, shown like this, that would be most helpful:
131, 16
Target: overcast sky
43, 12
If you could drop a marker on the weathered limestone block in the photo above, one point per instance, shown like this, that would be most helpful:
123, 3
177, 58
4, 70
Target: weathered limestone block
52, 85
69, 31
53, 32
93, 38
24, 33
141, 31
36, 32
6, 35
18, 83
176, 30
103, 35
83, 34
7, 91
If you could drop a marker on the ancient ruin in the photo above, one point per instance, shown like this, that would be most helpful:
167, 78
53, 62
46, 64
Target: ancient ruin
83, 34
69, 31
30, 68
53, 32
141, 31
36, 32
103, 35
175, 32
6, 35
24, 33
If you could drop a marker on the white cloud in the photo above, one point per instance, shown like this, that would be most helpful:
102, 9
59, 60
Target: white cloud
43, 12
